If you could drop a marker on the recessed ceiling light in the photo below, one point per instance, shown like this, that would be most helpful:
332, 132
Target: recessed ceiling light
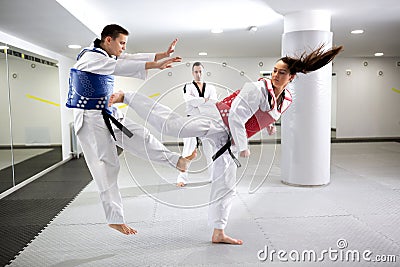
203, 54
72, 46
357, 31
378, 54
217, 30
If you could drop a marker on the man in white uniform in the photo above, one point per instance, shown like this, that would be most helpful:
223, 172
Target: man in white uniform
93, 73
196, 95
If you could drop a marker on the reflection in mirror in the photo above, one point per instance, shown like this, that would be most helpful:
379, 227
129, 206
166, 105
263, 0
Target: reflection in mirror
35, 121
6, 159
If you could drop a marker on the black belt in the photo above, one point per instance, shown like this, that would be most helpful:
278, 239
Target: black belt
108, 118
224, 148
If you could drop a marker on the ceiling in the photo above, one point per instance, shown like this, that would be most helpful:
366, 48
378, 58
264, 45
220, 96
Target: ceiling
153, 24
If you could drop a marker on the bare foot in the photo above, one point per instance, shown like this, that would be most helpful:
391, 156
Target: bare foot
180, 184
192, 156
182, 164
220, 238
117, 97
123, 228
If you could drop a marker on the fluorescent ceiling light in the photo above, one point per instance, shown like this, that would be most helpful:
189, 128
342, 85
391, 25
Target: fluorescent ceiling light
357, 31
378, 54
72, 46
203, 54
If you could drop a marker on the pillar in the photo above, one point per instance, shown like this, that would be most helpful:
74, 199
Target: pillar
306, 125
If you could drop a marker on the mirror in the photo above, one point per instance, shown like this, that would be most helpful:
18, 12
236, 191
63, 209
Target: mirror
6, 170
31, 137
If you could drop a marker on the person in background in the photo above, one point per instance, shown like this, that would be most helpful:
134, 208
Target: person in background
196, 95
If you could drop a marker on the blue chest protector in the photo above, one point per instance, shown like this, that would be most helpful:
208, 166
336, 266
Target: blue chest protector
89, 90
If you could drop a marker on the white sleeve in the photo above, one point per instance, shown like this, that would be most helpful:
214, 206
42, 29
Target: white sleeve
191, 98
130, 68
243, 107
193, 101
213, 92
139, 56
100, 64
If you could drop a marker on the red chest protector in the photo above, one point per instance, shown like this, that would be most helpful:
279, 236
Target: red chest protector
260, 119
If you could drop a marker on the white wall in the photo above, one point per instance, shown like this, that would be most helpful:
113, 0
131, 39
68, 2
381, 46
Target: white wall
334, 102
366, 104
64, 66
363, 104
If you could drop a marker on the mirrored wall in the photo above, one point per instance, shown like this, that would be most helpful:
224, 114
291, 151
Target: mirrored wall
30, 135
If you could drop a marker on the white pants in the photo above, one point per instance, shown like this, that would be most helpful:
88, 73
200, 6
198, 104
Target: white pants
99, 149
189, 145
207, 125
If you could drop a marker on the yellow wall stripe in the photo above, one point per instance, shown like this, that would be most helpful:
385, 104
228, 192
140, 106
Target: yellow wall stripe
123, 106
42, 100
57, 105
154, 95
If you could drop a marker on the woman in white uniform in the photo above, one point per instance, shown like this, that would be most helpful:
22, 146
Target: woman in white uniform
92, 123
256, 106
196, 95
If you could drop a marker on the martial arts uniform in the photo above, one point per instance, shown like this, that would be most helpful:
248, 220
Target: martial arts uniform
194, 97
244, 113
98, 145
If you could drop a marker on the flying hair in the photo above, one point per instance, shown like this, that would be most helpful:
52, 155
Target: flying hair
313, 61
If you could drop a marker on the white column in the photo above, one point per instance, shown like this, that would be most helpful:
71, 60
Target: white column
306, 125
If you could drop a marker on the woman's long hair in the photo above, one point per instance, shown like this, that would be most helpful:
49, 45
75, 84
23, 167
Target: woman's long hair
312, 61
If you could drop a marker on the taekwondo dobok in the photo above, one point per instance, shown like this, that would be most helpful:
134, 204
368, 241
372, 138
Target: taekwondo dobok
239, 115
100, 128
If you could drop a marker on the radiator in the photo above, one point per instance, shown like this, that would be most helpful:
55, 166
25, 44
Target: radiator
76, 149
